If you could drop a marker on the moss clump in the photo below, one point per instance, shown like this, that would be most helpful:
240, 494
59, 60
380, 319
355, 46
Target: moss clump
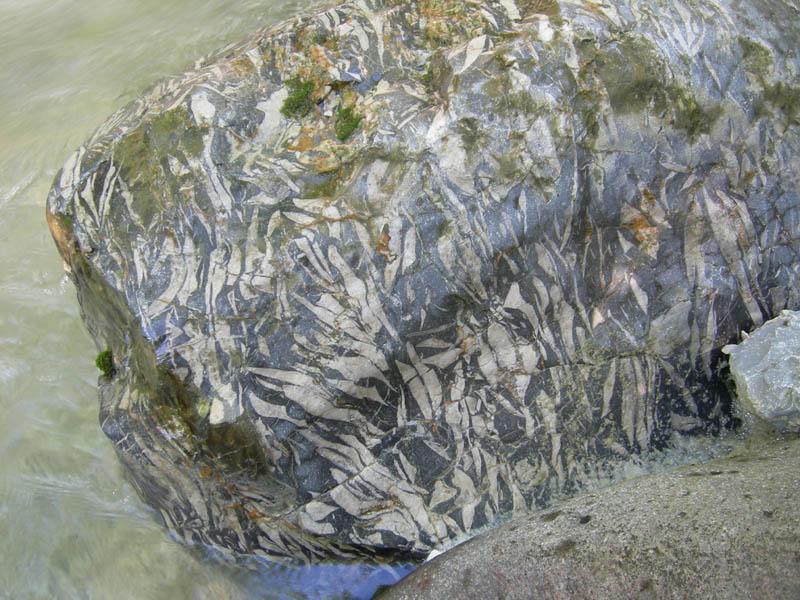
636, 76
508, 165
587, 104
140, 153
141, 156
639, 94
469, 130
427, 79
756, 57
298, 103
325, 189
786, 98
445, 229
758, 61
105, 362
438, 75
689, 114
320, 37
346, 122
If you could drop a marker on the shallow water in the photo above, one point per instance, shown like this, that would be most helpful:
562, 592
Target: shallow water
70, 526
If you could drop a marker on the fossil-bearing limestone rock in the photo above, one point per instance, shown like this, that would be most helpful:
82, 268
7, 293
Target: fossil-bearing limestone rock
390, 270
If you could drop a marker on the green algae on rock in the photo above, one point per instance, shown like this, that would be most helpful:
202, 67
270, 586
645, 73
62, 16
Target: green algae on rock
105, 362
346, 123
298, 102
387, 272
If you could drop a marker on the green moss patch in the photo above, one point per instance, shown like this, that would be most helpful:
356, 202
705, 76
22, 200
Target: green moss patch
508, 165
105, 362
141, 157
298, 103
689, 115
470, 131
756, 58
346, 122
786, 98
505, 100
141, 151
633, 75
637, 79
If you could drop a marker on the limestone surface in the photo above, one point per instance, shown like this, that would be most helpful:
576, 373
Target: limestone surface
386, 272
766, 369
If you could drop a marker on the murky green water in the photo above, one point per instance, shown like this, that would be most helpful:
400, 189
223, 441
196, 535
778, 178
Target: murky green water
70, 526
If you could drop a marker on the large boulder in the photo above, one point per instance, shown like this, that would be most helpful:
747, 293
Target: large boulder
383, 273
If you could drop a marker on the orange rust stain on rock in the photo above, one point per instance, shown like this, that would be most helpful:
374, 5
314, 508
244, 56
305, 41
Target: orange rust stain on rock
382, 245
301, 144
242, 66
320, 58
257, 514
645, 233
62, 236
325, 163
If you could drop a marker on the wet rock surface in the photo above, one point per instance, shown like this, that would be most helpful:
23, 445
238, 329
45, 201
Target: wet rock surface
728, 528
766, 369
388, 271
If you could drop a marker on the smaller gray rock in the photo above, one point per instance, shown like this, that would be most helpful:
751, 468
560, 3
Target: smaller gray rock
766, 369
